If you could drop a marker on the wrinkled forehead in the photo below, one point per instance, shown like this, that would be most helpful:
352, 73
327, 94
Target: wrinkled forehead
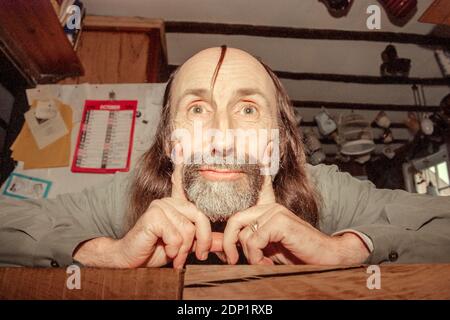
239, 70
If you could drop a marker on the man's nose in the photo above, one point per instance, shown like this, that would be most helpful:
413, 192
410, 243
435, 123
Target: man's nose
222, 143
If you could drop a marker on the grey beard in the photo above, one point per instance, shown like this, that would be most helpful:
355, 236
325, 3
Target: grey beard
221, 199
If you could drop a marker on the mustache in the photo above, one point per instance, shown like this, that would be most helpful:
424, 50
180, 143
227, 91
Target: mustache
249, 169
220, 160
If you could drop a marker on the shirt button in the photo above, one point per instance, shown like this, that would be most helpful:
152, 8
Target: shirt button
54, 264
393, 256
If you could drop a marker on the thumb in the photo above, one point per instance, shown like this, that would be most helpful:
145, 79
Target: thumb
177, 174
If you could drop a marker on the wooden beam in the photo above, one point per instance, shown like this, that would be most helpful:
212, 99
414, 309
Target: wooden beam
364, 79
352, 78
377, 141
302, 33
362, 106
395, 125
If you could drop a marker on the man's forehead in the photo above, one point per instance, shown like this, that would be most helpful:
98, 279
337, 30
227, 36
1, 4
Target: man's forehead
239, 70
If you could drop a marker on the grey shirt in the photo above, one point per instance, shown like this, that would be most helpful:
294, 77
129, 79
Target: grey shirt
403, 227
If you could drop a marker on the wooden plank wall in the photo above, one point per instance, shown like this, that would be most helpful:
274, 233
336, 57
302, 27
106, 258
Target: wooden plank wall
121, 50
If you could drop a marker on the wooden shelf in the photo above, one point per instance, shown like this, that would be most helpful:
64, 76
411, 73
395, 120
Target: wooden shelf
33, 38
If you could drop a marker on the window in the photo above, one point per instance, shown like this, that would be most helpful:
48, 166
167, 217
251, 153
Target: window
433, 180
428, 175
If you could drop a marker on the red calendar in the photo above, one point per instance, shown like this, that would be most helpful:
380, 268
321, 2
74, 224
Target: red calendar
105, 138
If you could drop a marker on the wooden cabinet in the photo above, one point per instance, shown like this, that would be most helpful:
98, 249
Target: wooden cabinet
122, 50
32, 37
111, 49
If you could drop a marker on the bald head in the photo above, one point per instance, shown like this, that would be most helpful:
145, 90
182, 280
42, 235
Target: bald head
237, 63
238, 71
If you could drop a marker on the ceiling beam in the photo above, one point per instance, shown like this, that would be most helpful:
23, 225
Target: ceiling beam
303, 33
363, 106
377, 141
351, 78
395, 125
363, 79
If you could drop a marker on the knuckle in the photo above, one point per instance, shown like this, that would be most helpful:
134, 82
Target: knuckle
233, 221
154, 210
178, 240
253, 240
242, 236
189, 228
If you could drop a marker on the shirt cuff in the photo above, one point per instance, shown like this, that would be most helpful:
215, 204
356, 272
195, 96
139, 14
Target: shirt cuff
56, 249
367, 241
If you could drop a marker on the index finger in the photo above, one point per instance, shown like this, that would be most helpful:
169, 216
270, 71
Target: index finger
177, 174
202, 224
234, 225
267, 194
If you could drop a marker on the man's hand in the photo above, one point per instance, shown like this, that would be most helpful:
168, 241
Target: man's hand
284, 238
165, 232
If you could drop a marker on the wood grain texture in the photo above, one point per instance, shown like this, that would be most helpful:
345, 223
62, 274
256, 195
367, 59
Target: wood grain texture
130, 24
437, 13
113, 57
97, 284
309, 282
35, 39
121, 50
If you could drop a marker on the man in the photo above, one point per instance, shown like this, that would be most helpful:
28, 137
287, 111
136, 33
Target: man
172, 207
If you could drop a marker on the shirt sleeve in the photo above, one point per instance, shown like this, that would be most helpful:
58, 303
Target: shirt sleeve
364, 238
403, 227
45, 232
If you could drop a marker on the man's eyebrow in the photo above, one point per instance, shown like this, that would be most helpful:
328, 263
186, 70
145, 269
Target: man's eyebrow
200, 92
205, 93
251, 92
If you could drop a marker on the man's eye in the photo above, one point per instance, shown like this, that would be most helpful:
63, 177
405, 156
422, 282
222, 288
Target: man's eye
197, 109
249, 110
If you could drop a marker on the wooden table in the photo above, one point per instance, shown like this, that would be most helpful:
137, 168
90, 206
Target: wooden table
96, 284
313, 282
419, 281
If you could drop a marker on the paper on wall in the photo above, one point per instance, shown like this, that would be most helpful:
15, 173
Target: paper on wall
43, 92
45, 131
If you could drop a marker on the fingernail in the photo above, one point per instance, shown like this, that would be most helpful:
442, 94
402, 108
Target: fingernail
204, 256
